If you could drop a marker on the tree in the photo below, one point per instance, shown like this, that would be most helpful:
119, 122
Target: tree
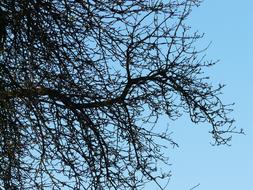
83, 83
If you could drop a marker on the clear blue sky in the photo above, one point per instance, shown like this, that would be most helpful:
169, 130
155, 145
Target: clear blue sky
229, 25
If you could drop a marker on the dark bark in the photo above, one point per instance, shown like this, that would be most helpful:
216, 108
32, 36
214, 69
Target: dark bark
83, 82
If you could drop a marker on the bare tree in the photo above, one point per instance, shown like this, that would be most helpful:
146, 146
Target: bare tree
83, 83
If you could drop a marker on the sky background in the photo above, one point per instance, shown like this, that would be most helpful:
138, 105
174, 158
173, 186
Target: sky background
228, 24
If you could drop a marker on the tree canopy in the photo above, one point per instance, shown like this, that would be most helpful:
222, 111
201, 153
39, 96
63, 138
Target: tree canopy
83, 83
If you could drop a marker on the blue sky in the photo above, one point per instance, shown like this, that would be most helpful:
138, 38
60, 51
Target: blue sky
228, 24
